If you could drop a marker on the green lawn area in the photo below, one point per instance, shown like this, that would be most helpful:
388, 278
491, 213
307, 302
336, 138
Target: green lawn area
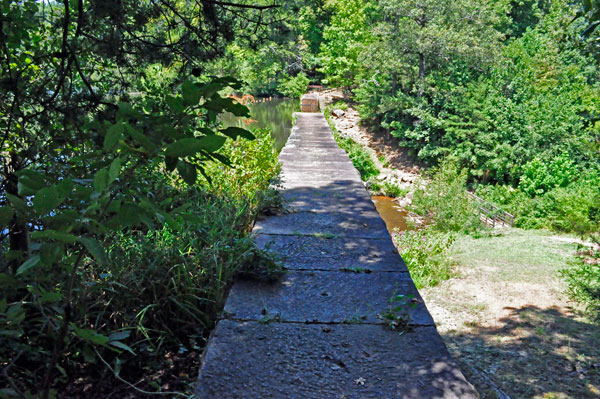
507, 320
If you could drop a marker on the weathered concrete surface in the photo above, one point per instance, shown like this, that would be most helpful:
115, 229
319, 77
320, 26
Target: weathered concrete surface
318, 253
251, 360
327, 297
366, 225
317, 333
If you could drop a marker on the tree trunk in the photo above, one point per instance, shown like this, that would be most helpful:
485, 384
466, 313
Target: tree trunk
394, 83
17, 234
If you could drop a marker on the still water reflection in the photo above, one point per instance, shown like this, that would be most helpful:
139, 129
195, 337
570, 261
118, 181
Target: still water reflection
275, 114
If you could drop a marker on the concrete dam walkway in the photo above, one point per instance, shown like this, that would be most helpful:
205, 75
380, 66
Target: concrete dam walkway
321, 331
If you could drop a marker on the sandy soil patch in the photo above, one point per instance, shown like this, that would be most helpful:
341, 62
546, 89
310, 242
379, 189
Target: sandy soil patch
507, 321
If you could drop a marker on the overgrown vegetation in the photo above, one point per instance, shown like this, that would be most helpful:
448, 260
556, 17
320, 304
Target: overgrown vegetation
444, 201
360, 156
443, 204
124, 206
425, 253
507, 91
583, 277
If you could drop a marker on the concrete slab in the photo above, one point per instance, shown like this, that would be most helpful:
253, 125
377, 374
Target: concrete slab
312, 253
291, 184
329, 297
320, 176
332, 170
345, 205
316, 154
283, 360
315, 333
312, 163
328, 173
324, 224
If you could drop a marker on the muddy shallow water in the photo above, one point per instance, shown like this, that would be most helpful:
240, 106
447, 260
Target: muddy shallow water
391, 213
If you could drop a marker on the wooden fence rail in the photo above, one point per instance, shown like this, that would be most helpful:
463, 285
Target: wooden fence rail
490, 214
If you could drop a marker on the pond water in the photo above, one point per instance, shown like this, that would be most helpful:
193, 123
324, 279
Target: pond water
391, 213
275, 114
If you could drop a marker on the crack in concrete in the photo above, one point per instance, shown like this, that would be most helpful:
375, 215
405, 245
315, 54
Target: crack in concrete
316, 322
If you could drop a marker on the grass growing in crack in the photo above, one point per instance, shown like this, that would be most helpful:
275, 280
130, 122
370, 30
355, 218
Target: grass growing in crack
327, 235
397, 316
356, 319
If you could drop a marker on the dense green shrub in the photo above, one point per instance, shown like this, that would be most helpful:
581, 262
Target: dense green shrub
583, 278
294, 86
444, 200
568, 205
253, 174
425, 253
156, 290
539, 177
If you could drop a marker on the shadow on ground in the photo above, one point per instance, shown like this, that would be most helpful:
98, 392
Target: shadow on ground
532, 353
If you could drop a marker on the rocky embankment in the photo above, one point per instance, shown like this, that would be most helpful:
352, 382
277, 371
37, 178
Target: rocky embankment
394, 162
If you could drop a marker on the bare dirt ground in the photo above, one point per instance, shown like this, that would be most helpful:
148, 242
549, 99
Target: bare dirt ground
506, 319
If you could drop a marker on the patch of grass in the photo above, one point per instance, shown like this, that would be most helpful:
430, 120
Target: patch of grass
374, 186
505, 316
326, 235
393, 190
383, 161
515, 255
425, 253
337, 105
360, 157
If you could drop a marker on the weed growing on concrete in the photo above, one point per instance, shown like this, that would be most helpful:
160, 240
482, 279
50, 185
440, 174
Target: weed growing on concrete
397, 316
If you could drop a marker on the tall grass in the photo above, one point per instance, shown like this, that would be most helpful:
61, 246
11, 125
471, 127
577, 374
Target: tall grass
583, 278
425, 253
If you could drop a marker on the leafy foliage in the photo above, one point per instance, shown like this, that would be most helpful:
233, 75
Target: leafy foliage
444, 200
508, 91
294, 87
96, 173
343, 40
426, 255
583, 278
277, 61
